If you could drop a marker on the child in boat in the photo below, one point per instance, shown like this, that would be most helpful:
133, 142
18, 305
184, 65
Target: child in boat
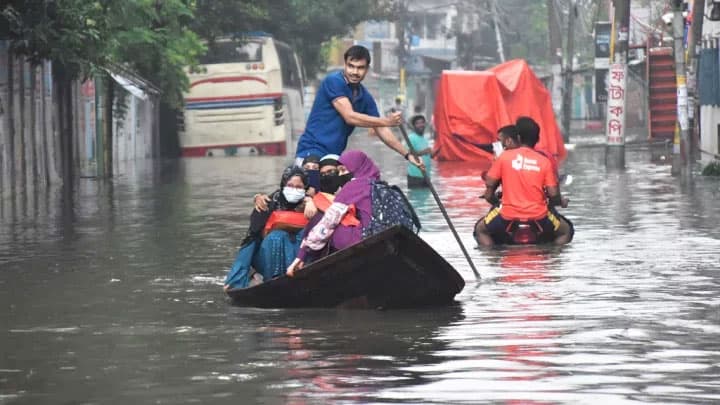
311, 166
274, 235
357, 171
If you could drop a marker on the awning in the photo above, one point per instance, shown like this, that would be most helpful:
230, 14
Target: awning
128, 85
133, 83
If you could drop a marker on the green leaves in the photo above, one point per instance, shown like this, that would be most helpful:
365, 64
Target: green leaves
304, 24
158, 38
149, 36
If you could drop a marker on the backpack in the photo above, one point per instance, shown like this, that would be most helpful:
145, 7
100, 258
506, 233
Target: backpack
390, 207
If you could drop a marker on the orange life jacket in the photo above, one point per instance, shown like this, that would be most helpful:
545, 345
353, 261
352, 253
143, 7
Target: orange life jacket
285, 220
323, 201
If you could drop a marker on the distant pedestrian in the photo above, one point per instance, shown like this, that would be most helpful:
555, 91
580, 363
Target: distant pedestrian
422, 148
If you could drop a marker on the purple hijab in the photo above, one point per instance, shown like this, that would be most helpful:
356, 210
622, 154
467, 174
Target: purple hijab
357, 191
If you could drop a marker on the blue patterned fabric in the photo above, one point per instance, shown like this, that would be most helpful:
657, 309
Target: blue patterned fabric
239, 274
270, 257
390, 207
277, 250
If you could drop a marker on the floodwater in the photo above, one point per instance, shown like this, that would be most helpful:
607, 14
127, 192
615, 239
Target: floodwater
114, 296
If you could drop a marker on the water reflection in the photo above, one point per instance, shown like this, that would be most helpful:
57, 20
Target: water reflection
507, 364
461, 188
115, 293
341, 355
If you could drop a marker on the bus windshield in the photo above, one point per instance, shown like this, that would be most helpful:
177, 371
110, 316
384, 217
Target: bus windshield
233, 52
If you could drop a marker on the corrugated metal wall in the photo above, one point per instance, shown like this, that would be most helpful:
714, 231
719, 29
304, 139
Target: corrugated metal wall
28, 136
709, 95
30, 147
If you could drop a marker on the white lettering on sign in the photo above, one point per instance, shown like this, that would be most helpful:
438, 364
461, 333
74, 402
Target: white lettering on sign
522, 163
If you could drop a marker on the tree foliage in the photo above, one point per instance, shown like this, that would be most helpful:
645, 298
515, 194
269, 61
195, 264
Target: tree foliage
82, 36
304, 24
154, 38
307, 24
158, 38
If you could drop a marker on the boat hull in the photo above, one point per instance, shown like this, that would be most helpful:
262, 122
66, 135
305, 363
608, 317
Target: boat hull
393, 269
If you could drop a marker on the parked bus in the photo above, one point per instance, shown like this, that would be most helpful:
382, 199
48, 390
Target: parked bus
246, 98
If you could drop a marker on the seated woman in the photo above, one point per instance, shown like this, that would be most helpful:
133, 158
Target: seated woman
357, 172
312, 166
274, 235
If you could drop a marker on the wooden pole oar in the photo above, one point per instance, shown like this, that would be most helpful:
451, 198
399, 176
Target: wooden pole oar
440, 204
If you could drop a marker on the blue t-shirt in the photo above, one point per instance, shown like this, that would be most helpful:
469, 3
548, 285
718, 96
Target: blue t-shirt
326, 131
418, 143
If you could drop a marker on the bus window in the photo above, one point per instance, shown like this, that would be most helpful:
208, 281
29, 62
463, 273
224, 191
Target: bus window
289, 67
232, 52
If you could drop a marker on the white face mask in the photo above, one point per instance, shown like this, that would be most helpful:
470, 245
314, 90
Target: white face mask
497, 148
293, 195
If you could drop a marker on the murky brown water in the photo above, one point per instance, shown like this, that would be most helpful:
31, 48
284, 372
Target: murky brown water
115, 297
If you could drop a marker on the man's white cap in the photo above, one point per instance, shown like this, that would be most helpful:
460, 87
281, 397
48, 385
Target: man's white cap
330, 156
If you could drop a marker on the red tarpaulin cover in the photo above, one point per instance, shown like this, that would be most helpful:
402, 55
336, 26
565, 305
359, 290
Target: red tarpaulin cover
471, 106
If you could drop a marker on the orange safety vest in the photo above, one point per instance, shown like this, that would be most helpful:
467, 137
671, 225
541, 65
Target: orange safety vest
290, 221
323, 201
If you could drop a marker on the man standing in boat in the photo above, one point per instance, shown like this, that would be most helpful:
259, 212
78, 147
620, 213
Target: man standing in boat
343, 103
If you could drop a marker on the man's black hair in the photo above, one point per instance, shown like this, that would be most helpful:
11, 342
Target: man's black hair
311, 159
357, 52
417, 117
528, 130
511, 132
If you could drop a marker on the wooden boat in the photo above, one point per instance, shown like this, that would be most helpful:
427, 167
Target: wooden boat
393, 269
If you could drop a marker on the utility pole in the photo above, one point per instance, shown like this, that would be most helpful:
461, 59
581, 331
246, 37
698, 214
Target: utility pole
555, 57
617, 80
568, 73
108, 130
553, 30
498, 35
681, 161
698, 15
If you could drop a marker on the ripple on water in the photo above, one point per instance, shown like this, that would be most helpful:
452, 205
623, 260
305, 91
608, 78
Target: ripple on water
124, 286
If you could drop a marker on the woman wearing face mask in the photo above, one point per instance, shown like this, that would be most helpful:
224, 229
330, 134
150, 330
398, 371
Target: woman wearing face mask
311, 165
356, 171
274, 235
329, 173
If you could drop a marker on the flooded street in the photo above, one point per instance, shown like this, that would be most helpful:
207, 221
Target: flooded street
115, 297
